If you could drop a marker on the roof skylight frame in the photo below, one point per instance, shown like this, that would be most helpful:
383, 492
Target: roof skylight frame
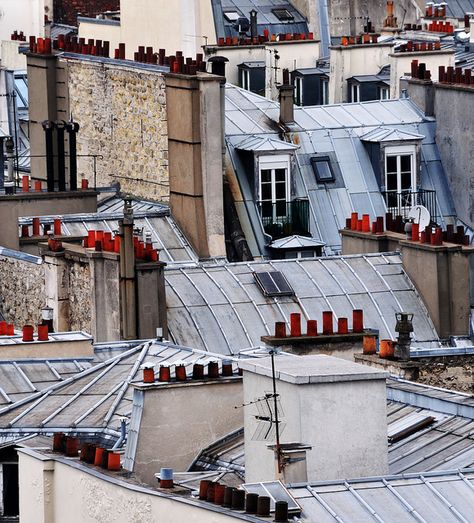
231, 16
283, 14
273, 284
322, 177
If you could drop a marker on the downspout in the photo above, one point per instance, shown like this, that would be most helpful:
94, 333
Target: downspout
123, 433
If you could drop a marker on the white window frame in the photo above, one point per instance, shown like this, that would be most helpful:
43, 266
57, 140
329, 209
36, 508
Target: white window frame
246, 79
398, 151
355, 88
385, 90
298, 90
325, 90
272, 163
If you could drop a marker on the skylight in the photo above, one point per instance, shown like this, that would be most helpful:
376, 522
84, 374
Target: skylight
273, 284
283, 14
231, 16
322, 169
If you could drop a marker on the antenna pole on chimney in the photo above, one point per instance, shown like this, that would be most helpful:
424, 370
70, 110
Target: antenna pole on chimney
277, 420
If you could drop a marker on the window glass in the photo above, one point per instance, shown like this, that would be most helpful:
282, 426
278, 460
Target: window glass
391, 164
280, 175
322, 169
280, 191
266, 175
405, 163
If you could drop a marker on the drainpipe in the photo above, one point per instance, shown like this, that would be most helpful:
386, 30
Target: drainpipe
48, 131
9, 183
123, 433
128, 304
60, 127
72, 128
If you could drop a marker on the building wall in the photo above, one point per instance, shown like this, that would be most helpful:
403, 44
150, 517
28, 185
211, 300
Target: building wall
205, 409
66, 11
455, 140
354, 60
10, 57
400, 65
23, 15
122, 116
21, 291
353, 445
80, 292
55, 492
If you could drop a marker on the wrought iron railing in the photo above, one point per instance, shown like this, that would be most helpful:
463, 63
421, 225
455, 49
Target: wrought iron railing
285, 218
400, 203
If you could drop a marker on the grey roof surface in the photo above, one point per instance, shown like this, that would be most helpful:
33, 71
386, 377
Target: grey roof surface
221, 309
266, 19
91, 401
458, 8
149, 217
445, 444
334, 131
429, 498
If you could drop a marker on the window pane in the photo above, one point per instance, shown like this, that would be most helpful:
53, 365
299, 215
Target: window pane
406, 181
391, 164
405, 162
392, 182
266, 175
280, 208
266, 191
307, 254
280, 175
280, 191
267, 210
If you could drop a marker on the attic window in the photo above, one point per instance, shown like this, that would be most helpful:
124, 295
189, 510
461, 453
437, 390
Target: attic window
322, 169
283, 14
231, 16
273, 284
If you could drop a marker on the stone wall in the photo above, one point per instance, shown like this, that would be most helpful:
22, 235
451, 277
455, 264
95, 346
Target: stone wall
122, 114
66, 11
80, 292
455, 373
21, 291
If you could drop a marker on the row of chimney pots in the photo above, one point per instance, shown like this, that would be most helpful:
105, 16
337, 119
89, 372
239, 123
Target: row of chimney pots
199, 372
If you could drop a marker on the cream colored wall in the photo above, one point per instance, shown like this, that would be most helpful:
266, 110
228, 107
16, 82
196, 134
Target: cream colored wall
80, 494
354, 60
10, 57
102, 31
22, 15
400, 65
180, 25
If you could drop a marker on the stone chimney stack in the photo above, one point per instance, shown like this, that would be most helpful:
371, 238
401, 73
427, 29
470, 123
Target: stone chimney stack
287, 105
195, 141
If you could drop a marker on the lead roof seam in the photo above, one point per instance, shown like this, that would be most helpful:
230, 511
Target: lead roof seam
53, 370
24, 376
404, 502
224, 335
301, 265
390, 290
95, 405
5, 395
28, 410
369, 294
154, 233
300, 303
324, 504
79, 393
466, 481
230, 303
188, 310
438, 494
343, 291
242, 287
72, 379
364, 503
126, 383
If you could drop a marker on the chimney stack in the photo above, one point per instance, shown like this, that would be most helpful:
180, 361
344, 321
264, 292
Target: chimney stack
253, 24
287, 94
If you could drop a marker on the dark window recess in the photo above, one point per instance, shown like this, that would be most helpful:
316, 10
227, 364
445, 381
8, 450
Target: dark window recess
273, 284
283, 14
322, 169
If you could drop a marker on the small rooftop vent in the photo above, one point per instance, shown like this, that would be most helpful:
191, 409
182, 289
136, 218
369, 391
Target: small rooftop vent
273, 284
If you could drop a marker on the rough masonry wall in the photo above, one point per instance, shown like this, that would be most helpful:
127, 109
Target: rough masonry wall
456, 373
80, 293
22, 294
67, 11
122, 114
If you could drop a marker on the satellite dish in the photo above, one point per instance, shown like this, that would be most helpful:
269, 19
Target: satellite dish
420, 215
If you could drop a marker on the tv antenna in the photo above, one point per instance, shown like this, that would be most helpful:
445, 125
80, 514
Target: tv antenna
419, 214
268, 414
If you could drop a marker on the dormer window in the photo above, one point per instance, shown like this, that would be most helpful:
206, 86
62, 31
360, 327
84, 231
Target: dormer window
274, 184
400, 175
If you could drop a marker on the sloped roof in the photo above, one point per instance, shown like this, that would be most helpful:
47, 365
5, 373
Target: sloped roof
458, 8
446, 497
296, 242
220, 308
260, 143
390, 135
333, 131
91, 401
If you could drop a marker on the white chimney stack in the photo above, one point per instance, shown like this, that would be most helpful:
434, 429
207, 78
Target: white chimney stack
335, 409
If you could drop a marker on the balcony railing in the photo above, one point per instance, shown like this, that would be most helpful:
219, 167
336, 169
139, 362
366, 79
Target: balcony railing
285, 218
400, 203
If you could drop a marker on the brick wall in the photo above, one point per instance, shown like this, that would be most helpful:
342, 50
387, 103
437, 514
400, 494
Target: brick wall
66, 11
